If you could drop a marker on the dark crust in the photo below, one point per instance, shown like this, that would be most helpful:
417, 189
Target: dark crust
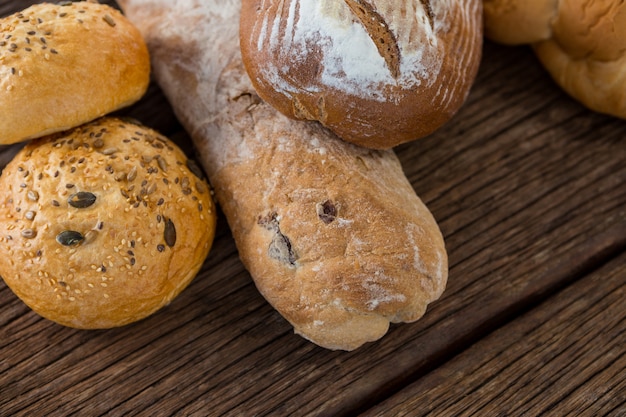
429, 11
379, 31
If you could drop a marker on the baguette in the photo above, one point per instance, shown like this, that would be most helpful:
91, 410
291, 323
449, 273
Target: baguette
333, 235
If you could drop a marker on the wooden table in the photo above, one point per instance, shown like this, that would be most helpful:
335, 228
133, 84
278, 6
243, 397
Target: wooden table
529, 189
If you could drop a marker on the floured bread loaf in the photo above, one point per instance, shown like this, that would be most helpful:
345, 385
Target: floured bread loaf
333, 234
581, 44
102, 225
378, 73
65, 64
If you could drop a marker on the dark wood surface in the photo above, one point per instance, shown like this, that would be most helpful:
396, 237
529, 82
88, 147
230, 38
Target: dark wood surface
529, 189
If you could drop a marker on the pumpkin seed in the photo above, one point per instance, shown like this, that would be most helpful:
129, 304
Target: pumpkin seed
169, 234
194, 168
81, 199
70, 238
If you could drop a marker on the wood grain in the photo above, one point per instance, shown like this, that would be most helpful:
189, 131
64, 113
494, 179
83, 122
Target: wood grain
529, 190
565, 357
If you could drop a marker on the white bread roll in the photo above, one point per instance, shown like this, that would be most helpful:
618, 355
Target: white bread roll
102, 225
332, 234
62, 65
377, 73
581, 44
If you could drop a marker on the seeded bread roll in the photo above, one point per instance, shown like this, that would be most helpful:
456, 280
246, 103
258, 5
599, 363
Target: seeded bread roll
333, 234
582, 44
377, 73
62, 65
102, 225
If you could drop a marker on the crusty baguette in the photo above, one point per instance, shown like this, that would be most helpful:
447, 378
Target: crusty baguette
333, 234
64, 64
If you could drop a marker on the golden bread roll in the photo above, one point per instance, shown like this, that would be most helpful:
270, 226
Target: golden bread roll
516, 22
581, 44
377, 73
333, 234
102, 225
62, 65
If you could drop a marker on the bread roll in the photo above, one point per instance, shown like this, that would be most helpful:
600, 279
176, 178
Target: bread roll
62, 65
102, 225
377, 73
332, 234
516, 22
581, 44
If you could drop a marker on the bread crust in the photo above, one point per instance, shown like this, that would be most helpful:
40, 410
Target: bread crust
378, 73
517, 22
580, 43
102, 225
333, 234
65, 65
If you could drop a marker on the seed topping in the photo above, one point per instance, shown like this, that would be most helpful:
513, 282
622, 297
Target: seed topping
169, 234
70, 238
81, 199
28, 233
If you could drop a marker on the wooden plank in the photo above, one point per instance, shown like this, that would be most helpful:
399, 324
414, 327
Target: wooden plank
528, 188
566, 357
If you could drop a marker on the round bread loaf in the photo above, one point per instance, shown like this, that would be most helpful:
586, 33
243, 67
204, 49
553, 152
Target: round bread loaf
62, 65
376, 72
581, 44
102, 225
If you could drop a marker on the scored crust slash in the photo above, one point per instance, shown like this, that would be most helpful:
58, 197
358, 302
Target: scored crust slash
378, 29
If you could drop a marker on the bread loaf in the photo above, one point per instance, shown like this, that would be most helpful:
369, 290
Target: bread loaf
581, 44
378, 73
62, 65
102, 225
332, 234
